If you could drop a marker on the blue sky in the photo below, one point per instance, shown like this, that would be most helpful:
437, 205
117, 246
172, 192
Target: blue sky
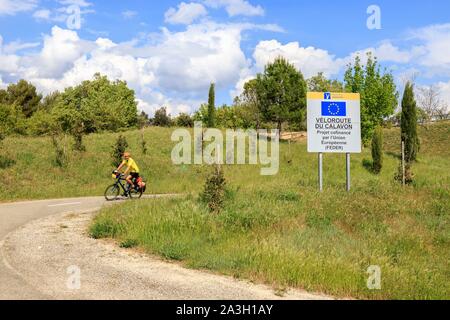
169, 51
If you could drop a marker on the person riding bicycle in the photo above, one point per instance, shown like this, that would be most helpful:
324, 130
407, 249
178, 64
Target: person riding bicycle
132, 169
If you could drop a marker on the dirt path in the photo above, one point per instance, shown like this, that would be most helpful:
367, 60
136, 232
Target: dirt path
40, 253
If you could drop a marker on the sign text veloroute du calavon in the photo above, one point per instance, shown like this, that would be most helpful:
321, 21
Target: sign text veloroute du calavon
334, 122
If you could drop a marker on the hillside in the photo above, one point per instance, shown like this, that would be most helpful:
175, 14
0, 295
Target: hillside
277, 230
35, 175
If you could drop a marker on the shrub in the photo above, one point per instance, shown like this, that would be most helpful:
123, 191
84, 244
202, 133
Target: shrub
78, 141
377, 150
41, 123
184, 120
409, 175
104, 229
119, 148
61, 158
143, 143
129, 243
409, 124
214, 191
6, 162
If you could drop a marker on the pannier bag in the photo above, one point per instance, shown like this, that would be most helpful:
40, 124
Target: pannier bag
141, 184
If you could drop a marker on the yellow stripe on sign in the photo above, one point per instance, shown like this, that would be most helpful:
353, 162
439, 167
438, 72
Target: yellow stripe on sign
333, 96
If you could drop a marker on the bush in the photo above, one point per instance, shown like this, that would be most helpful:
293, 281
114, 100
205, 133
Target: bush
6, 162
409, 175
129, 243
104, 229
41, 123
214, 191
144, 146
61, 158
377, 150
119, 148
184, 120
78, 141
409, 124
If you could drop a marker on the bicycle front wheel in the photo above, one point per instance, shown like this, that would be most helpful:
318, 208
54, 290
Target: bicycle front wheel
112, 192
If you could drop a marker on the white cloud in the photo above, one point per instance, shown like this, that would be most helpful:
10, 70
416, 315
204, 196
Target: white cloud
308, 60
80, 3
236, 7
186, 13
43, 14
444, 88
179, 65
175, 69
388, 52
62, 14
60, 50
435, 48
9, 63
11, 7
16, 46
128, 14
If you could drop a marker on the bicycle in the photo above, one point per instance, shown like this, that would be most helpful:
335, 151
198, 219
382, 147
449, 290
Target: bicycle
113, 191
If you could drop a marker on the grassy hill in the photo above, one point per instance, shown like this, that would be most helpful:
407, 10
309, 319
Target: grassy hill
278, 230
35, 175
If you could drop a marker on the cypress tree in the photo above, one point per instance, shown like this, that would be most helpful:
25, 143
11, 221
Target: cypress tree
118, 149
409, 124
211, 106
377, 150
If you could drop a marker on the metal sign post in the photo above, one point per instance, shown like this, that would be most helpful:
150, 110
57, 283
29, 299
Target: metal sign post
320, 172
334, 126
348, 171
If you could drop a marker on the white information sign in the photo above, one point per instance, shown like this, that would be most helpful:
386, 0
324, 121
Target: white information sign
334, 122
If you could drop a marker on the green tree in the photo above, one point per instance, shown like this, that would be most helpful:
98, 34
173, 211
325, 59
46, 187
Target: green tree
211, 107
201, 114
42, 123
12, 120
98, 105
379, 96
409, 124
24, 95
184, 120
248, 108
162, 119
281, 93
377, 150
3, 96
50, 101
320, 83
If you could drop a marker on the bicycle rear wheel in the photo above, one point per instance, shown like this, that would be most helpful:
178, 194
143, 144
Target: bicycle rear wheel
112, 192
135, 194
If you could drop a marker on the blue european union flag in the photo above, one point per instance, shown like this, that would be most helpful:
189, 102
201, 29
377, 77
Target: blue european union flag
334, 109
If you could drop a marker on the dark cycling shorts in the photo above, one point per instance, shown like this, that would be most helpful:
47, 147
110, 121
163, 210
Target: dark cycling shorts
134, 175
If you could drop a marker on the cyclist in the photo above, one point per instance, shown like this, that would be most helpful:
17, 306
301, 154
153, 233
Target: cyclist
132, 169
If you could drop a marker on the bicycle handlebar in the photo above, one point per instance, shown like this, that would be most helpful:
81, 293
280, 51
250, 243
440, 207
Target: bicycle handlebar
119, 175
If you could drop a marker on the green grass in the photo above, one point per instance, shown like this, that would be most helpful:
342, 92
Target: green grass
31, 172
280, 231
276, 230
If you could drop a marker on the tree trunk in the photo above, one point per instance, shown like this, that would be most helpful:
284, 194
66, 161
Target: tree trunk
279, 127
